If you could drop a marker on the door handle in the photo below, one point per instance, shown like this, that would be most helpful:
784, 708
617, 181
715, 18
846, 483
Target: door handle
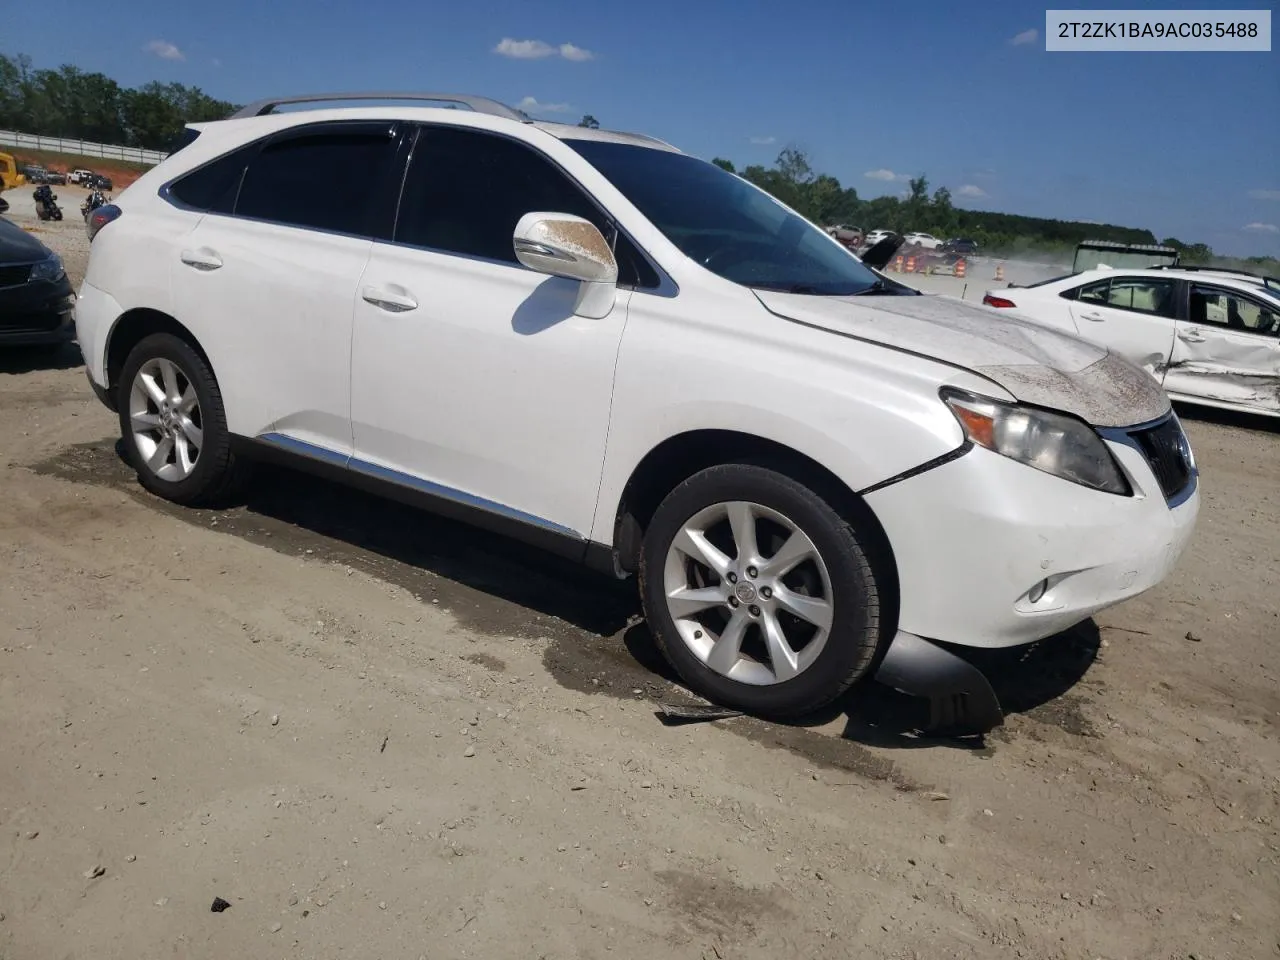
388, 300
201, 259
1095, 317
1191, 336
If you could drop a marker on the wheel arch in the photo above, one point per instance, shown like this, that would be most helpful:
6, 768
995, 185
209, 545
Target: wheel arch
681, 456
130, 329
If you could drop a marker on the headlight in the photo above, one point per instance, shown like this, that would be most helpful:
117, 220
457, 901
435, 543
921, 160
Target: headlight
1056, 444
50, 269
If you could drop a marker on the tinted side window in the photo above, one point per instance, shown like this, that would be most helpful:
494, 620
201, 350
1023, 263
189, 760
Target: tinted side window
1142, 295
466, 191
1094, 292
1136, 294
325, 179
213, 187
1233, 310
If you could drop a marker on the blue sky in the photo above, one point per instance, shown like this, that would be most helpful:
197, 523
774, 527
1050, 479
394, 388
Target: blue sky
1185, 144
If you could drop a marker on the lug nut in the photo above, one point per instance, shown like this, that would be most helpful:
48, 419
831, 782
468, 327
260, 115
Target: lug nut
733, 601
731, 577
754, 610
766, 592
751, 572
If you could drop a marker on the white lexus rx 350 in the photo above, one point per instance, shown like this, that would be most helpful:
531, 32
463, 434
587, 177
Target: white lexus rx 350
594, 342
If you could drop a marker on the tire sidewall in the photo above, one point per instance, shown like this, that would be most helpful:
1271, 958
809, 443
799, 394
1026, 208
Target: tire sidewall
213, 421
856, 636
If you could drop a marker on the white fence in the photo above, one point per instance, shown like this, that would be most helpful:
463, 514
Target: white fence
81, 148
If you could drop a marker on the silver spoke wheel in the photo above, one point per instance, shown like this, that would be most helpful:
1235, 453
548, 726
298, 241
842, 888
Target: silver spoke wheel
165, 420
749, 592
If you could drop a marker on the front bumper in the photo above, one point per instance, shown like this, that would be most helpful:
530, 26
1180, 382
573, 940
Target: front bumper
37, 312
975, 539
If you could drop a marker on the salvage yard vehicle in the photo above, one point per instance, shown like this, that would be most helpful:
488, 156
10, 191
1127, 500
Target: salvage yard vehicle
1208, 337
594, 342
36, 298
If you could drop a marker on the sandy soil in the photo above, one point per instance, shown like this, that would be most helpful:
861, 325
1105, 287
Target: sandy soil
376, 734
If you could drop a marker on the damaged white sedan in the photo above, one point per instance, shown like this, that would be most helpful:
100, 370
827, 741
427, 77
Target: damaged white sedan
1208, 337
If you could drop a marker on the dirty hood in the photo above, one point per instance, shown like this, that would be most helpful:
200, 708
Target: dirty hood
1036, 364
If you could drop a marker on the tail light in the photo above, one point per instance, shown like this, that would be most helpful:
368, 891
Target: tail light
991, 301
100, 218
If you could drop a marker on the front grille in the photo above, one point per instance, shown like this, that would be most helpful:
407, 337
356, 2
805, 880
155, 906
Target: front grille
15, 276
1165, 448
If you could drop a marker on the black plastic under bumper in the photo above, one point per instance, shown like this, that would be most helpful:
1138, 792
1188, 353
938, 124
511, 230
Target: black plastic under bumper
37, 312
961, 700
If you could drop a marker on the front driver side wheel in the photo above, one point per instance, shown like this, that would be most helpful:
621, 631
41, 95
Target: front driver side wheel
759, 593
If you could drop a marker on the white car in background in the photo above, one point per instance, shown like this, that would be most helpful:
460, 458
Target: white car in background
1209, 337
926, 240
594, 342
875, 236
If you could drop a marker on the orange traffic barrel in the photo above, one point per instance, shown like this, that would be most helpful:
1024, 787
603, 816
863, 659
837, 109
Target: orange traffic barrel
911, 264
999, 271
897, 264
960, 267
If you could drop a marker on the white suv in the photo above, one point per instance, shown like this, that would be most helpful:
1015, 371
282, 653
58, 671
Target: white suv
597, 343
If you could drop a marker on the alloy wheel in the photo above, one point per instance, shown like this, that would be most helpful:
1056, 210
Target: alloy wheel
165, 419
749, 592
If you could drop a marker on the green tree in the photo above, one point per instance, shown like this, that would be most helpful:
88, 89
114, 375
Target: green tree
724, 164
590, 122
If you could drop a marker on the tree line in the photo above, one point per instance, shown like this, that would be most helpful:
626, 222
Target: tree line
69, 103
823, 199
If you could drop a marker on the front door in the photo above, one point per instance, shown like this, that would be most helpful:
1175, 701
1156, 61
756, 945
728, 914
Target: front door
1227, 350
472, 378
1132, 316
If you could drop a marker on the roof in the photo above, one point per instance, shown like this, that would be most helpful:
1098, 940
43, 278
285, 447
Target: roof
449, 101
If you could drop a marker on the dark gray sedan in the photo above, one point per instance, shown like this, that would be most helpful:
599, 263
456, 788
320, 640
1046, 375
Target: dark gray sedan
37, 303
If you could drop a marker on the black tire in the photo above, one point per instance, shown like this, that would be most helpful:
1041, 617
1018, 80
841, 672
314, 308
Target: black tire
218, 474
858, 632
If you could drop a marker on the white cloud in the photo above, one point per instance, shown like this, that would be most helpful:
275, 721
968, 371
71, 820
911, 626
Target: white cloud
763, 141
1262, 227
1025, 37
165, 50
531, 105
971, 190
576, 54
1265, 194
887, 175
540, 50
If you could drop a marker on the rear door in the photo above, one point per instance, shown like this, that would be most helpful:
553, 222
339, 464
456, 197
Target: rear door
1227, 349
1130, 315
267, 278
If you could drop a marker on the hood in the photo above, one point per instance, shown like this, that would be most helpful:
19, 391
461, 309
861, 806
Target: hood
1036, 364
18, 246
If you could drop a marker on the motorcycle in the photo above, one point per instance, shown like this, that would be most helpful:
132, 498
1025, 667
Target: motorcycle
92, 203
46, 203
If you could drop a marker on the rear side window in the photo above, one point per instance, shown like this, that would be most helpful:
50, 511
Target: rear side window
323, 179
214, 186
1135, 294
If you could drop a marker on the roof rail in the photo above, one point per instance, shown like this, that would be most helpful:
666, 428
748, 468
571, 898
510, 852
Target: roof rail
1196, 268
478, 104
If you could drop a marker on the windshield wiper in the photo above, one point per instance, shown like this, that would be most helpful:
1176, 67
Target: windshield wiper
877, 288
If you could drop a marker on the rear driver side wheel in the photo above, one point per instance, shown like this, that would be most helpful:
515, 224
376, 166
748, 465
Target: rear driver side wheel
173, 423
759, 593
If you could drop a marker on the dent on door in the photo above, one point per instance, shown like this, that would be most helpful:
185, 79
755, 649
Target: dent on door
1230, 370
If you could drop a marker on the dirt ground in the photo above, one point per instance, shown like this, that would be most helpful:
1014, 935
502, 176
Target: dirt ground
379, 735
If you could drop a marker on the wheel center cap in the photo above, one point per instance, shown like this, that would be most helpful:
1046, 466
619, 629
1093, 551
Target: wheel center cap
745, 592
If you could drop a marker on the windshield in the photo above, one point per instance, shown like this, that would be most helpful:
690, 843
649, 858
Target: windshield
727, 225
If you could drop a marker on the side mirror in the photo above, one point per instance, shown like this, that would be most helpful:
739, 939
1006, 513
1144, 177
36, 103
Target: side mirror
562, 245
